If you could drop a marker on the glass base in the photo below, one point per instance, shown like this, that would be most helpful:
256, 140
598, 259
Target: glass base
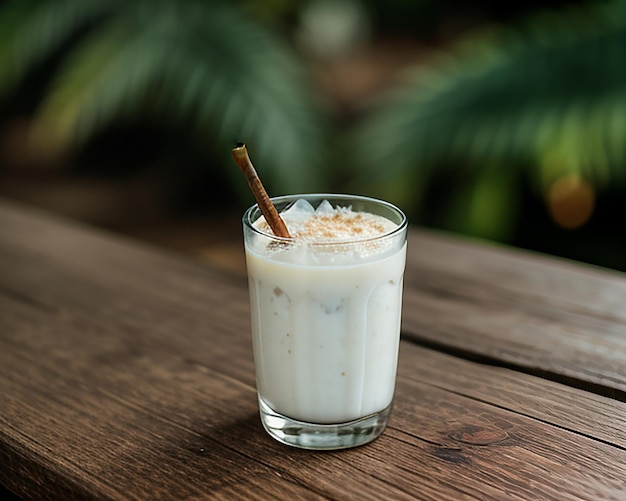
323, 436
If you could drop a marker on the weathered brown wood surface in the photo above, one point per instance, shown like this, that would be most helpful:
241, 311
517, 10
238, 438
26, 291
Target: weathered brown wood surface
126, 373
558, 319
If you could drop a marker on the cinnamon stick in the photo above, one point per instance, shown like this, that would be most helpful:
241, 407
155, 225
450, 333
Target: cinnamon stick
278, 226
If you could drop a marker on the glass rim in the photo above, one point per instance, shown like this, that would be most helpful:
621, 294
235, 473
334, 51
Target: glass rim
248, 223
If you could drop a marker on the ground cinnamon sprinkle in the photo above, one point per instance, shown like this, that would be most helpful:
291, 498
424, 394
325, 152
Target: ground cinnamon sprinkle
341, 224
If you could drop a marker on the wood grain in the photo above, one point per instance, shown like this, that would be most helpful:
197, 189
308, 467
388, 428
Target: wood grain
546, 316
126, 373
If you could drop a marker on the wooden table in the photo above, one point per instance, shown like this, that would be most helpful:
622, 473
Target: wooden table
127, 373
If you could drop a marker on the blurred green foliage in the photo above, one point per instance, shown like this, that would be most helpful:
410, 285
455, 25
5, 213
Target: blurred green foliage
492, 113
547, 98
196, 64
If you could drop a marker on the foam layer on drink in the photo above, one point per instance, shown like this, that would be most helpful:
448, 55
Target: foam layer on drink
327, 235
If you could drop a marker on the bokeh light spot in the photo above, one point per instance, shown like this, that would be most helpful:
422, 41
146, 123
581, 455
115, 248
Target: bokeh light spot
571, 201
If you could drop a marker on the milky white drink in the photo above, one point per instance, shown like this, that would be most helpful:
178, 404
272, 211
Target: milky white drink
326, 309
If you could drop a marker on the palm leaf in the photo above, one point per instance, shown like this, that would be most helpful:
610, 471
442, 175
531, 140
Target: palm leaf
30, 31
196, 65
551, 94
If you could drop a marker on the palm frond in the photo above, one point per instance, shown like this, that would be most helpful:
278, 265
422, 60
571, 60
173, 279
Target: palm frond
198, 65
32, 30
552, 93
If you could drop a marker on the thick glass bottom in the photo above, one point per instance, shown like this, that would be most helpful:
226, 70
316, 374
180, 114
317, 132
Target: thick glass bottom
323, 436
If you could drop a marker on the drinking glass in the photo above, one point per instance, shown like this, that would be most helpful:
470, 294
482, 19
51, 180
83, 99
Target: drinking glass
325, 323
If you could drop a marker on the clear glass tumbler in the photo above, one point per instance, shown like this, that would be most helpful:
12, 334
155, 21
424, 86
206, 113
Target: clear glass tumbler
326, 327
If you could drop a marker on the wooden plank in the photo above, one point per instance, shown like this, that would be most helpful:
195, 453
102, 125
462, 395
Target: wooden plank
148, 424
127, 374
581, 412
551, 317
